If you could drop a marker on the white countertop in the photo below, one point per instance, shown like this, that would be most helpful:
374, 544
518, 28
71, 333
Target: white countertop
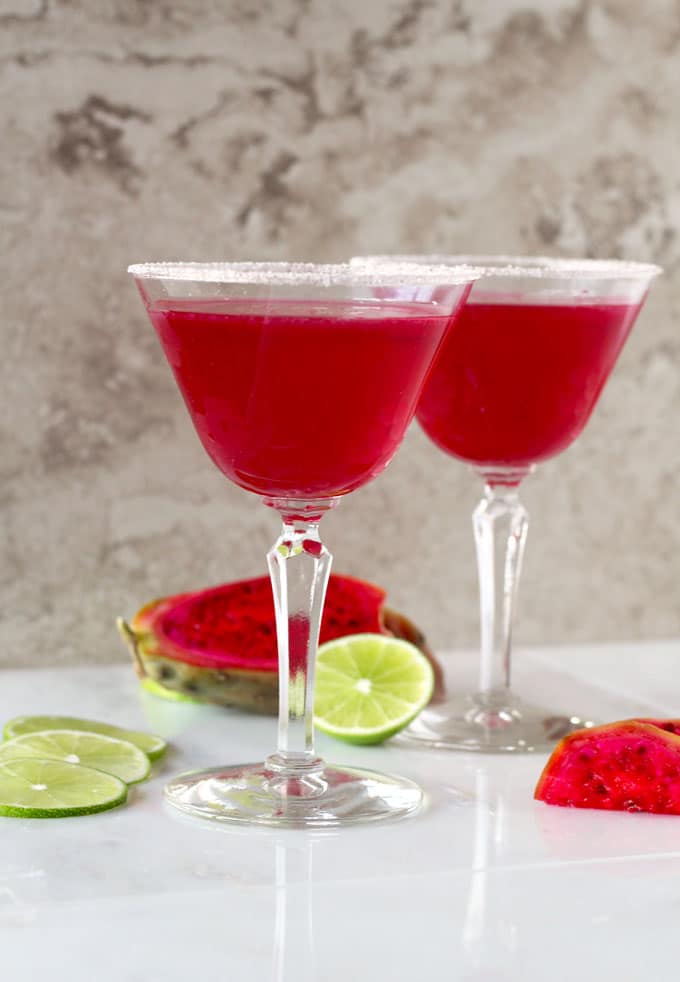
486, 884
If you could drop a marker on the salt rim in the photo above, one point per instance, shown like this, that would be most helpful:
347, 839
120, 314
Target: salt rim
538, 267
311, 274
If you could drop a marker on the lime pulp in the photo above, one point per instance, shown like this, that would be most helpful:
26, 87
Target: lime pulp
120, 758
369, 686
34, 788
153, 746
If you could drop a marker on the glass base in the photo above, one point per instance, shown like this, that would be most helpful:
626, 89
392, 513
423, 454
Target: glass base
487, 726
254, 794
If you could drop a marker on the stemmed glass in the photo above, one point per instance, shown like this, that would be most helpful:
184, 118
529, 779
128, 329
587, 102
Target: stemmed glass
301, 381
514, 384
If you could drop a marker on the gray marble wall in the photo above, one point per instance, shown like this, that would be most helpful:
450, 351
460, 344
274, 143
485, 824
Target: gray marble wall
204, 129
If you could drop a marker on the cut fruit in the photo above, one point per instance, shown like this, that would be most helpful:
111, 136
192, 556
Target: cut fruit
152, 745
219, 645
104, 753
34, 788
368, 687
627, 766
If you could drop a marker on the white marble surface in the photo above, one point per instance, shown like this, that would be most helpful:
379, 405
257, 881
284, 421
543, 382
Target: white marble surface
484, 885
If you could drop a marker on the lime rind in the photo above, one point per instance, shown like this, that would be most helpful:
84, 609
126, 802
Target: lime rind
369, 687
120, 758
156, 688
153, 746
35, 788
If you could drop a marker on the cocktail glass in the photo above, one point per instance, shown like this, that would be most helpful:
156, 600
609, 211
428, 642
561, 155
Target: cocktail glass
301, 381
514, 383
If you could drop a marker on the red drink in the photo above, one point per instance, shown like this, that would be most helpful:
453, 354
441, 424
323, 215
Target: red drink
299, 399
514, 384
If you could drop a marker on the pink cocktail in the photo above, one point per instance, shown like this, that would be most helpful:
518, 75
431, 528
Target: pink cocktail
514, 383
345, 377
300, 381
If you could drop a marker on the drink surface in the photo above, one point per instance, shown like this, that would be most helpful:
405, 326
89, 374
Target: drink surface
299, 399
515, 383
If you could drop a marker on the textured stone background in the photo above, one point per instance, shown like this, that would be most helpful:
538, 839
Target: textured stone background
207, 129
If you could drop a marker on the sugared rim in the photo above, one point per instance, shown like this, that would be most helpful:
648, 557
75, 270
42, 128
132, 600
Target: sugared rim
392, 273
539, 267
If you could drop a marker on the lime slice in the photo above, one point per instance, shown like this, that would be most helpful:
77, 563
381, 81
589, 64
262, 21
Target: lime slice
368, 687
152, 745
118, 757
162, 691
33, 788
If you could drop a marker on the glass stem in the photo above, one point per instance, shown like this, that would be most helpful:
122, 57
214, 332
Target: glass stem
299, 566
500, 524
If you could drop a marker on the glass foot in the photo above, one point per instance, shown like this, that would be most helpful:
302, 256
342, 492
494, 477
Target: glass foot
254, 794
470, 723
